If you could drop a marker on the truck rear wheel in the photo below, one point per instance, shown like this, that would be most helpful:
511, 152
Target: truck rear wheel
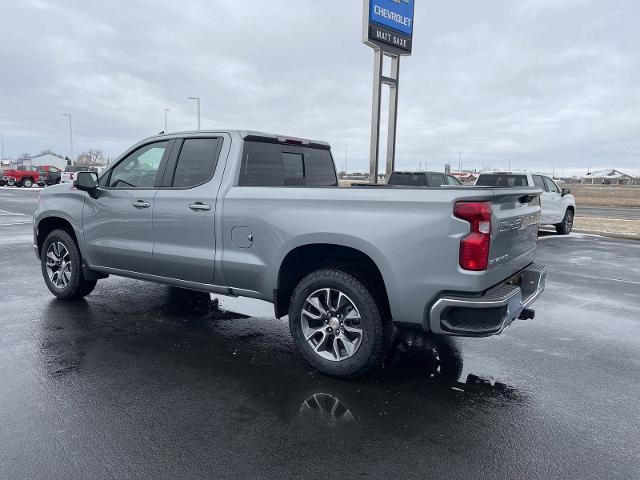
336, 324
61, 265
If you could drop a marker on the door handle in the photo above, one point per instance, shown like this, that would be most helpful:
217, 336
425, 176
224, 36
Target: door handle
199, 207
141, 204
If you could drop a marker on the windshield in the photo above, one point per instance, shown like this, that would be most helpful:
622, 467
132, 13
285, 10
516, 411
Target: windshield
502, 180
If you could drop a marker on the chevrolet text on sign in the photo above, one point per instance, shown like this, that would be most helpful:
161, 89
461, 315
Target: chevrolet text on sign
390, 25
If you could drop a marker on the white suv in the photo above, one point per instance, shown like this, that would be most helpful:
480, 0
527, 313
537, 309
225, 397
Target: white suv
558, 205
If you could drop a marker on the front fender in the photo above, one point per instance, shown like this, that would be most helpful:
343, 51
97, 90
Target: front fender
64, 203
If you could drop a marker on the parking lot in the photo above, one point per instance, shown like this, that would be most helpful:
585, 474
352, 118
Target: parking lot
143, 381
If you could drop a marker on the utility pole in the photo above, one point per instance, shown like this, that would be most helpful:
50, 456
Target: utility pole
166, 128
68, 115
197, 99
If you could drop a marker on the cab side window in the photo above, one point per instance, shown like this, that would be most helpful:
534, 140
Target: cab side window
435, 180
551, 185
451, 180
197, 162
140, 168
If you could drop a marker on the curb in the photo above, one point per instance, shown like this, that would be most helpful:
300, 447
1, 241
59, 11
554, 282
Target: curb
624, 236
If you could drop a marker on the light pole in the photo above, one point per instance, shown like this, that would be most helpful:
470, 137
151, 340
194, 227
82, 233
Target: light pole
1, 146
166, 128
68, 115
197, 99
346, 159
460, 162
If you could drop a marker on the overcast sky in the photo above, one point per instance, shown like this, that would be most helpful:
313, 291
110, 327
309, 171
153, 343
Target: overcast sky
536, 83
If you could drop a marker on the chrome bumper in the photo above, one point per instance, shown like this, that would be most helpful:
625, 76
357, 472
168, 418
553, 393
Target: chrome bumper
490, 313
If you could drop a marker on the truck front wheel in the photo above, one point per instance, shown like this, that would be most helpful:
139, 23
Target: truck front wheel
565, 227
336, 324
27, 183
61, 265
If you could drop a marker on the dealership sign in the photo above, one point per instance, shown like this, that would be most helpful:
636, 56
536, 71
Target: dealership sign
388, 25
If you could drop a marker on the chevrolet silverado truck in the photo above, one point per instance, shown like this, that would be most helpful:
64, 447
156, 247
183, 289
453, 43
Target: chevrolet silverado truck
558, 206
257, 215
22, 176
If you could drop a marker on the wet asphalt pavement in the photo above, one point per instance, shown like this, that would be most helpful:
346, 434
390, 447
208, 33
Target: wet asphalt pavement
143, 381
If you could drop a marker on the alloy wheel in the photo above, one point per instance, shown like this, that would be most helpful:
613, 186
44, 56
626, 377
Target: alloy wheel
331, 324
58, 264
569, 220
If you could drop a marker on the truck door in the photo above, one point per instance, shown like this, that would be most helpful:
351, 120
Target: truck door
546, 205
553, 198
184, 211
117, 227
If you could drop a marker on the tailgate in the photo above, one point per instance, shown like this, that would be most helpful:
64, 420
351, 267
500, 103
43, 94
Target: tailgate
514, 231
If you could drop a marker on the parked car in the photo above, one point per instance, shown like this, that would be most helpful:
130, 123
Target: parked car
48, 175
262, 216
22, 176
70, 171
422, 179
558, 205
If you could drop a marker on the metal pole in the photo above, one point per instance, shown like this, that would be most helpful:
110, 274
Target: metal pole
2, 146
166, 128
460, 162
197, 99
393, 116
199, 124
346, 159
375, 117
68, 115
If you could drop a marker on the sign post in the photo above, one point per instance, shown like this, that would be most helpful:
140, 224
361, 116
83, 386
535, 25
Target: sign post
388, 29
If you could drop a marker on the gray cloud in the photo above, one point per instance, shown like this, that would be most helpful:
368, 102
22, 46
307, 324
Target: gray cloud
535, 83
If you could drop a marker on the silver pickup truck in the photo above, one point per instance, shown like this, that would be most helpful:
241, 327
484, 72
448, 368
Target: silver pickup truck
258, 215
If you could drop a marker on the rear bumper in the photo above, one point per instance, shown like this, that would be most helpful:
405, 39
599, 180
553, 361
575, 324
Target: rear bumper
491, 312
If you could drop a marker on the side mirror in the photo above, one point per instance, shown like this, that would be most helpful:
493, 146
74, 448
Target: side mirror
566, 191
87, 182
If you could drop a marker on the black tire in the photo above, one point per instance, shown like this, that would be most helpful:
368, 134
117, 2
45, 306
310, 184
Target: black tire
376, 331
565, 227
27, 183
77, 287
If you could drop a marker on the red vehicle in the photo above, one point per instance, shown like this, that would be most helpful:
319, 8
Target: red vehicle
22, 177
49, 175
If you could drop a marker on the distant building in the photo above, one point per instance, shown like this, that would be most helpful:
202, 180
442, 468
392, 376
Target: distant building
49, 159
607, 177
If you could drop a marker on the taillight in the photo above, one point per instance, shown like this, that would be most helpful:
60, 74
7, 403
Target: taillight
474, 248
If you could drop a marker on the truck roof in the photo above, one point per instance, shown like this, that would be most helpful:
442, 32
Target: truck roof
251, 134
420, 172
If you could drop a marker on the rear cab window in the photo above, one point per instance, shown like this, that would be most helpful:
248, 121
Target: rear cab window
267, 164
502, 180
408, 179
539, 182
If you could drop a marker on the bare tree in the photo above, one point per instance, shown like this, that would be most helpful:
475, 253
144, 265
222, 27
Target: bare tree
93, 157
